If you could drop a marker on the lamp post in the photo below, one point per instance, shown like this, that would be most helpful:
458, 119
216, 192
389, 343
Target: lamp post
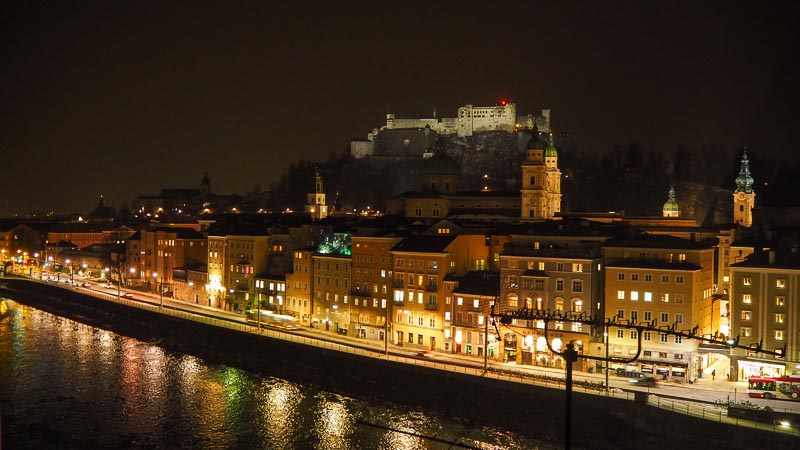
160, 291
605, 338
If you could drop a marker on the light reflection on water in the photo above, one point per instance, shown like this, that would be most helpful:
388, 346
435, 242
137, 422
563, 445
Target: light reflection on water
65, 385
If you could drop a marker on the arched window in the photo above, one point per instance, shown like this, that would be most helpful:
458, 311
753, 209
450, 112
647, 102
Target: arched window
539, 303
529, 303
512, 300
741, 208
577, 305
533, 180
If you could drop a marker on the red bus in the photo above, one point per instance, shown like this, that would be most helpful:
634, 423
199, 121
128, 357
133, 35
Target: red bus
786, 388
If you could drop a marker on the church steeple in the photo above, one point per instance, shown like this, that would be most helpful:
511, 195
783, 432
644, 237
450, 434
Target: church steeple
671, 208
744, 182
205, 185
315, 201
744, 198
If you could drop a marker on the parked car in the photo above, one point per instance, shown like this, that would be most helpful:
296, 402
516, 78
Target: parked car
109, 286
126, 295
86, 284
426, 354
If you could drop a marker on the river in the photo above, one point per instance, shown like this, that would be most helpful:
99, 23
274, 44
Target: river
67, 385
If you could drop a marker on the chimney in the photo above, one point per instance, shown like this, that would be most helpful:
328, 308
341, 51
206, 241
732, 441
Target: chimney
772, 257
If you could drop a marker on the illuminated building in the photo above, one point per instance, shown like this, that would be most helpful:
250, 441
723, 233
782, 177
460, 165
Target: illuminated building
372, 284
299, 285
331, 301
541, 181
315, 201
671, 208
663, 281
764, 303
468, 314
422, 264
744, 198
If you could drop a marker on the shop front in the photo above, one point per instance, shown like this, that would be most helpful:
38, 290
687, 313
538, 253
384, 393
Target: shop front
750, 367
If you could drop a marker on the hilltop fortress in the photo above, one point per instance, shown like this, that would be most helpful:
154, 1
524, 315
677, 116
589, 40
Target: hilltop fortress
419, 134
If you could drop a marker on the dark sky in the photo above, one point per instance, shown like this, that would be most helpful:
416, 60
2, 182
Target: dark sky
124, 98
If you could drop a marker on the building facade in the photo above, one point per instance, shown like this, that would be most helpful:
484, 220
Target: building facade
541, 181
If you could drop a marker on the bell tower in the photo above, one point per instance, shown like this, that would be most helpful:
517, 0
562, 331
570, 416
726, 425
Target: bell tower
744, 198
315, 201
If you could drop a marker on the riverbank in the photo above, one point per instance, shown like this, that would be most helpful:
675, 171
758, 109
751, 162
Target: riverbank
598, 422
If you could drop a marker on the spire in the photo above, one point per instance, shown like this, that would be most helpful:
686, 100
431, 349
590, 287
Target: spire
744, 182
551, 148
102, 202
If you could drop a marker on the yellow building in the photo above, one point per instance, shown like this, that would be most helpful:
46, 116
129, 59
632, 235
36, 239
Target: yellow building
764, 310
541, 181
659, 281
421, 298
331, 303
744, 198
372, 285
298, 286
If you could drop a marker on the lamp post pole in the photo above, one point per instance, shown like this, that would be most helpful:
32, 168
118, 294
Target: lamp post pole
258, 310
386, 330
605, 337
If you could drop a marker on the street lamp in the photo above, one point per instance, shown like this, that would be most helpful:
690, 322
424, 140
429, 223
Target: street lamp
71, 278
605, 338
160, 291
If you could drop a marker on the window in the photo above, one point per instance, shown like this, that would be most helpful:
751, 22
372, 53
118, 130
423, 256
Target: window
665, 297
635, 296
648, 296
634, 316
679, 299
663, 338
620, 334
665, 317
648, 277
747, 281
559, 267
432, 322
538, 284
577, 267
747, 298
620, 295
778, 335
648, 316
634, 277
747, 314
780, 317
634, 334
780, 300
621, 276
559, 285
665, 278
679, 279
678, 339
476, 303
746, 331
621, 313
577, 286
646, 336
678, 318
780, 283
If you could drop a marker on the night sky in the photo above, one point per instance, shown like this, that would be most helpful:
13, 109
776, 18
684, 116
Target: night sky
125, 98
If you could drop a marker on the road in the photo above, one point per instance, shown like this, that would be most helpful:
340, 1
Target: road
704, 390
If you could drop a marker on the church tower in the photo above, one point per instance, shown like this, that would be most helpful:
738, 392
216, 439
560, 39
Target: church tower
671, 208
315, 201
744, 198
541, 181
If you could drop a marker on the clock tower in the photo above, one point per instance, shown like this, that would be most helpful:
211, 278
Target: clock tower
744, 198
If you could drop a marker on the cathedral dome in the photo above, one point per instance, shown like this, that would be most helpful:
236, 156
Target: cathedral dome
671, 208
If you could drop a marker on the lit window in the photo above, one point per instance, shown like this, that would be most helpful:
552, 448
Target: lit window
747, 314
747, 281
620, 295
746, 331
665, 297
780, 300
648, 296
635, 296
577, 267
747, 298
779, 317
778, 335
780, 283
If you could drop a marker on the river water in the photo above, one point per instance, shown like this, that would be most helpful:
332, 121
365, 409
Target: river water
67, 385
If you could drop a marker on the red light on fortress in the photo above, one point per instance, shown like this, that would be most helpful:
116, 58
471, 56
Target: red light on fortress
503, 102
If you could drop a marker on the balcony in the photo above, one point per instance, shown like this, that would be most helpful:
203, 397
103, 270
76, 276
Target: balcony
398, 302
398, 283
431, 287
432, 306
